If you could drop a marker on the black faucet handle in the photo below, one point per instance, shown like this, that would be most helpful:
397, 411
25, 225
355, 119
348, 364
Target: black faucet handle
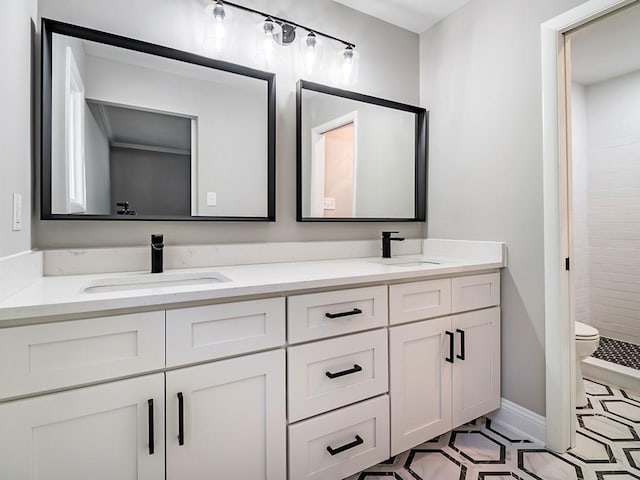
387, 236
157, 239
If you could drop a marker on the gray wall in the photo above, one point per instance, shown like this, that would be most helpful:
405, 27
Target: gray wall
16, 120
152, 182
179, 24
97, 169
480, 77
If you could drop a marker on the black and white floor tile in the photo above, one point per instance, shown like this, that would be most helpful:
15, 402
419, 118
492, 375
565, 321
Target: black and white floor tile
617, 351
607, 448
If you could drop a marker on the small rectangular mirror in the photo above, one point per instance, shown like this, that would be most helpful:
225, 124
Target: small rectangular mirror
137, 131
360, 158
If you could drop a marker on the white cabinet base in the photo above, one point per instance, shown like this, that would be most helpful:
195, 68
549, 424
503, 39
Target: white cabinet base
476, 379
420, 383
234, 419
99, 432
357, 435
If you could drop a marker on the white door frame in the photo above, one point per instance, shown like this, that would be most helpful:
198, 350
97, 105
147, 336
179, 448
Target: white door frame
559, 325
317, 160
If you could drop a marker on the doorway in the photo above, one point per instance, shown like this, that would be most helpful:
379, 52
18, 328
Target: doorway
334, 158
560, 304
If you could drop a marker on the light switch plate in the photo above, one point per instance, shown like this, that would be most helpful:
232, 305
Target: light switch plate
212, 199
329, 203
17, 212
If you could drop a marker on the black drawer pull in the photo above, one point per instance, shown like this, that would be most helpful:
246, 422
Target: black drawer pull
355, 443
355, 311
180, 419
356, 368
461, 356
451, 347
151, 435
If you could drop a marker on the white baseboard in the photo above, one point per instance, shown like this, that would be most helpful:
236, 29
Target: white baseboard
521, 421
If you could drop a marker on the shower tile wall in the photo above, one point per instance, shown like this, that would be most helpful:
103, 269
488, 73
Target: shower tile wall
607, 206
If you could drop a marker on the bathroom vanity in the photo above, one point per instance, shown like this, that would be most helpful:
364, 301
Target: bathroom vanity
295, 370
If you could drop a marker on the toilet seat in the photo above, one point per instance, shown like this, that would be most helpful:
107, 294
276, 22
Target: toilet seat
585, 332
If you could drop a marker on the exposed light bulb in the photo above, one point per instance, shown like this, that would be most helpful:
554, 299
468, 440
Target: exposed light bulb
219, 15
349, 68
268, 40
219, 18
310, 53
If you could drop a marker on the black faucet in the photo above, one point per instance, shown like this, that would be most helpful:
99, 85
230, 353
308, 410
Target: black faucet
156, 252
124, 209
386, 243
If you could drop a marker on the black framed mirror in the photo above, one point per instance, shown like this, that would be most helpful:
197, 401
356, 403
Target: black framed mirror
359, 158
137, 131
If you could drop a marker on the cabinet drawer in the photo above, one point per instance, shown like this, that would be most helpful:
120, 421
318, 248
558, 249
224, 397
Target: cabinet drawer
320, 315
214, 331
419, 300
358, 437
37, 358
326, 375
477, 291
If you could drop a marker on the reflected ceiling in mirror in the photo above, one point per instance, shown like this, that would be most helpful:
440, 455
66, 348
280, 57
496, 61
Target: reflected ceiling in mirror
136, 131
360, 158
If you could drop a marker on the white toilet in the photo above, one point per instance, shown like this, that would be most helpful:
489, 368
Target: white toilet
587, 340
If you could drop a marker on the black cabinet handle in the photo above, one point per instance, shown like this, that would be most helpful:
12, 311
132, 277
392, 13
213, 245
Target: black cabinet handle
356, 368
355, 311
355, 443
180, 419
451, 347
151, 435
461, 356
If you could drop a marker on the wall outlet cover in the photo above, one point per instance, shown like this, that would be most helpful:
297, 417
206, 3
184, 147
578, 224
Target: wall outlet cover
212, 199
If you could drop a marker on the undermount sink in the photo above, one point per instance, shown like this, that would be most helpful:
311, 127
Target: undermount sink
412, 263
407, 262
154, 280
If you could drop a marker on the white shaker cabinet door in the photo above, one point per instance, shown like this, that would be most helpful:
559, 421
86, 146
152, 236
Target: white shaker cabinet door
227, 419
476, 374
101, 432
420, 382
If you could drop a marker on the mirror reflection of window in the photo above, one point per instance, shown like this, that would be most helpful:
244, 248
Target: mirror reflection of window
76, 199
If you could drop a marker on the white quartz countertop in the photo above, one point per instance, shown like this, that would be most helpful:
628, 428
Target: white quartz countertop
57, 296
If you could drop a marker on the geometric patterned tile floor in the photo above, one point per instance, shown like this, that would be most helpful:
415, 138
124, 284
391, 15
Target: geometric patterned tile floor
607, 448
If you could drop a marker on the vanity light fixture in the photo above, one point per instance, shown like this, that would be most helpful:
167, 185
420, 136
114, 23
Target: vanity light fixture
275, 31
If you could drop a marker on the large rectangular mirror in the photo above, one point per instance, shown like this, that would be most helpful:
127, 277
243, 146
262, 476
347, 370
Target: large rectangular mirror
360, 158
137, 131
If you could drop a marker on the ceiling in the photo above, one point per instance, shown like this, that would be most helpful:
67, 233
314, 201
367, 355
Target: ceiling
143, 130
414, 15
607, 48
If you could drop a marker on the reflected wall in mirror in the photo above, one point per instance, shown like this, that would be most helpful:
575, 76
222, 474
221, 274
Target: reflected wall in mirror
137, 131
360, 158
